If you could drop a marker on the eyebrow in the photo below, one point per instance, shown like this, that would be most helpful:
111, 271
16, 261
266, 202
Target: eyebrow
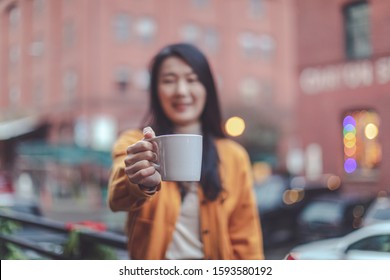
174, 74
167, 74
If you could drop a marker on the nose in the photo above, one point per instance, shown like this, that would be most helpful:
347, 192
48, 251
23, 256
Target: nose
182, 87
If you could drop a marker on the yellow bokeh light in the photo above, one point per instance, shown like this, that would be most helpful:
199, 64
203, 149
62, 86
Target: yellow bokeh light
235, 126
261, 170
349, 143
293, 196
350, 136
371, 131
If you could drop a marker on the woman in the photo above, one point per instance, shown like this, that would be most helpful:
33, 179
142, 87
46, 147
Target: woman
215, 218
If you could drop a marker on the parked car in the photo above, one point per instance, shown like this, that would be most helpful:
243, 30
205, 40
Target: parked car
13, 203
331, 216
367, 243
378, 211
280, 200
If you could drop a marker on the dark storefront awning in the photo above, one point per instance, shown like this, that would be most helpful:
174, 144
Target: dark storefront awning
64, 154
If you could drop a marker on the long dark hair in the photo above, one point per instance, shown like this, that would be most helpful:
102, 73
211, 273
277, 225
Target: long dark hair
211, 118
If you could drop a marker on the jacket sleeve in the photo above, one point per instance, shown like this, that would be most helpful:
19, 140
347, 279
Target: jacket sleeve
122, 194
244, 223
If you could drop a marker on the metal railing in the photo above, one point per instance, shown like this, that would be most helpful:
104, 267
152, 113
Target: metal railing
78, 242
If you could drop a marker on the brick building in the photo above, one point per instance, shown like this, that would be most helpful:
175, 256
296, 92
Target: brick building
344, 91
74, 72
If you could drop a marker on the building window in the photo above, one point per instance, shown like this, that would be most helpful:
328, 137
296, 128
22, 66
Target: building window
211, 39
69, 35
256, 8
38, 94
69, 84
14, 55
357, 30
14, 95
146, 29
191, 33
200, 4
121, 26
37, 48
38, 8
249, 89
141, 79
362, 149
257, 46
122, 78
13, 16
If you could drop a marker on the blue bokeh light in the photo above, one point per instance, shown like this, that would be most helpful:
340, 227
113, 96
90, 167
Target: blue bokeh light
349, 120
350, 165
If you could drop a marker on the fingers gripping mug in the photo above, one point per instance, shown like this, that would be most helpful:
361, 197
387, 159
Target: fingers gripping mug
179, 156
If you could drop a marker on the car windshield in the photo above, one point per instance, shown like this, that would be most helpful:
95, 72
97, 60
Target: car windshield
322, 211
379, 210
382, 214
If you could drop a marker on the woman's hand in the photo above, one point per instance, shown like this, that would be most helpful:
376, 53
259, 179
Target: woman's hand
141, 161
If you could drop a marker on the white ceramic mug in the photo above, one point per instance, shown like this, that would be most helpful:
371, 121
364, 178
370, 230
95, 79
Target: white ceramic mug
179, 156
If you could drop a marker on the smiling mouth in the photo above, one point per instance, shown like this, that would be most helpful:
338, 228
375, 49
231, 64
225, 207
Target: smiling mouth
181, 106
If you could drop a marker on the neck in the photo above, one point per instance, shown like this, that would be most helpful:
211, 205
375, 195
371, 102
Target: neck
194, 128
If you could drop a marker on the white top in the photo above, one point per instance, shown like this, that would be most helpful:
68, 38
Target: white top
186, 243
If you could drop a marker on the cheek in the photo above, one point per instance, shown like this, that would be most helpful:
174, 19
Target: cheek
163, 96
201, 98
162, 91
201, 103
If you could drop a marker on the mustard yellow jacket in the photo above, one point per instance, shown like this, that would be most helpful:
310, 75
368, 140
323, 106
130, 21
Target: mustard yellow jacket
230, 225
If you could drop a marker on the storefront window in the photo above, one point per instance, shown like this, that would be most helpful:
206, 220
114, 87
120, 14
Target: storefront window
362, 149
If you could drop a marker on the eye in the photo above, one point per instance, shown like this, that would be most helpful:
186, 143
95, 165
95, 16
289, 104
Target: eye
167, 81
192, 79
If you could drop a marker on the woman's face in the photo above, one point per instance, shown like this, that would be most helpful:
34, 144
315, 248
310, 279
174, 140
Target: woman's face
181, 94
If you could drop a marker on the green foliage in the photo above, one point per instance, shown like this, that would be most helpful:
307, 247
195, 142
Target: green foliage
72, 247
75, 249
7, 227
100, 252
9, 251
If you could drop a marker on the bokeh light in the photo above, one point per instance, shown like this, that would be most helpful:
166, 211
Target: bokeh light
293, 196
371, 131
261, 171
349, 120
349, 128
362, 150
350, 152
235, 126
350, 165
349, 132
333, 183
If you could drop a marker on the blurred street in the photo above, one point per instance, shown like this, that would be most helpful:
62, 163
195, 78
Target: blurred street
70, 210
309, 106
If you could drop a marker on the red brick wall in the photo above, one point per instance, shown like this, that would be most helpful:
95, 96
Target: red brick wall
319, 117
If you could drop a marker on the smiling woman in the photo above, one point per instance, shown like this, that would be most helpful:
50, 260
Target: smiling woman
181, 94
215, 218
